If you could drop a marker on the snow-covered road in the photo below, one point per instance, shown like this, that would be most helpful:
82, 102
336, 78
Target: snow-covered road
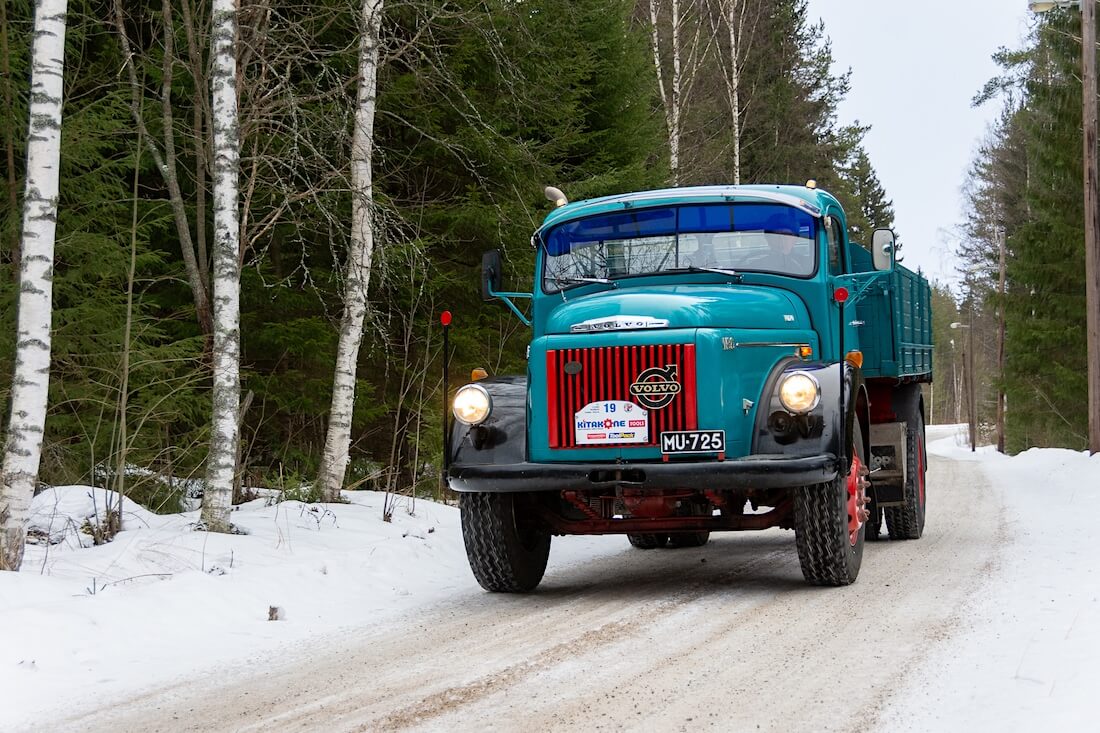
726, 637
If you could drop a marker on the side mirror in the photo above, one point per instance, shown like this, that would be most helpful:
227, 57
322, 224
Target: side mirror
492, 274
882, 249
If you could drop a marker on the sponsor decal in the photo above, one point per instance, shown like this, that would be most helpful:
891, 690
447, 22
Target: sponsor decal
655, 388
611, 422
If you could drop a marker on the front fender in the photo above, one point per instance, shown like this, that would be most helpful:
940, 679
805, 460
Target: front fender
502, 438
827, 428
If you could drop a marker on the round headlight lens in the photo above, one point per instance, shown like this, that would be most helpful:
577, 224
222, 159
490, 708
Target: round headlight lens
472, 404
799, 392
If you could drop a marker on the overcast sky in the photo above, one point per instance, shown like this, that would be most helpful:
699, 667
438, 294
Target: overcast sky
915, 68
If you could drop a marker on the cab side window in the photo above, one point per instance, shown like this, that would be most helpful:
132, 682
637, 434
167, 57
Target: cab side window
835, 238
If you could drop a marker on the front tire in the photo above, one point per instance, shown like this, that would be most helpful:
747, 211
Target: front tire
507, 552
826, 551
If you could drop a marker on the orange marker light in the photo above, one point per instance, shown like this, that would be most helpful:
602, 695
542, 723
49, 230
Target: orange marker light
855, 358
478, 374
806, 352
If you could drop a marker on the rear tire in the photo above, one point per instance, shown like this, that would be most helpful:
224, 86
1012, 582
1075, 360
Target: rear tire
647, 541
507, 552
689, 539
825, 550
907, 522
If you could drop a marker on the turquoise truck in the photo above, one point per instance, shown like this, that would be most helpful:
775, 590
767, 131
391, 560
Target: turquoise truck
701, 359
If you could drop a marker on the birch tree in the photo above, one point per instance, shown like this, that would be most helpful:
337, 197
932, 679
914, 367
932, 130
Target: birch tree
23, 449
733, 14
685, 58
360, 253
221, 462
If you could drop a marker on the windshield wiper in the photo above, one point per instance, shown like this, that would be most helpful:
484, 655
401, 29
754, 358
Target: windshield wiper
717, 270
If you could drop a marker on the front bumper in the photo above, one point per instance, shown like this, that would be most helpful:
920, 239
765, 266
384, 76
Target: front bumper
753, 472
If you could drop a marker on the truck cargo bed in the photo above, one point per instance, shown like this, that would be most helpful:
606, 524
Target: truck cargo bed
896, 338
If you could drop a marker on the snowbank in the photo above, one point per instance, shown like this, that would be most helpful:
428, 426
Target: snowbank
1028, 658
163, 601
66, 513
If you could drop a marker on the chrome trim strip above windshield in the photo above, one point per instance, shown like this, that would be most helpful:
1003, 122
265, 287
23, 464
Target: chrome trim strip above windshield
724, 193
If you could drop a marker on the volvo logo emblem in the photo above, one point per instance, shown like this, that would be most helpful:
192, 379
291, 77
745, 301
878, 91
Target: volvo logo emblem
655, 387
572, 367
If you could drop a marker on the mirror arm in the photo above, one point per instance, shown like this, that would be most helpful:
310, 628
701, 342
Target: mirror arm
859, 284
507, 299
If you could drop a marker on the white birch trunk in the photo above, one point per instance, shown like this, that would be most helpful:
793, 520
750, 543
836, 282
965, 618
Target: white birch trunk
733, 83
686, 61
30, 383
360, 252
677, 81
221, 463
669, 101
733, 13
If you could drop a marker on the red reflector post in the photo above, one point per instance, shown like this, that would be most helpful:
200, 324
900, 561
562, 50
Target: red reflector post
445, 318
840, 295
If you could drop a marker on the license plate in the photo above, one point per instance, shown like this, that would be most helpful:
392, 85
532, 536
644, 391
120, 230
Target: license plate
694, 441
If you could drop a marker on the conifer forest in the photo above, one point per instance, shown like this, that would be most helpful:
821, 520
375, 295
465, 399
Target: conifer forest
473, 107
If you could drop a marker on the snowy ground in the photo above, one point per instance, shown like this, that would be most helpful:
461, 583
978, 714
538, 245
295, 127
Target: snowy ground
1030, 657
163, 601
89, 625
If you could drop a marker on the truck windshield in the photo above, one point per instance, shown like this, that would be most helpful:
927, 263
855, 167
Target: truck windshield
675, 239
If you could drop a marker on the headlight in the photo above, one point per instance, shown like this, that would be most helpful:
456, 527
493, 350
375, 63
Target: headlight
472, 404
799, 392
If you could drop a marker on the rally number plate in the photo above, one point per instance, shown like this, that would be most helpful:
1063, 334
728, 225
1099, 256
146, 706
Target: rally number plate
694, 441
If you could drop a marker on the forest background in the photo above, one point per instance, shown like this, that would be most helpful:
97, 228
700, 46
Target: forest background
480, 105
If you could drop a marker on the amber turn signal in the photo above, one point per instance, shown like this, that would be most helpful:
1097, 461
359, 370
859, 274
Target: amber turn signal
478, 374
855, 358
806, 352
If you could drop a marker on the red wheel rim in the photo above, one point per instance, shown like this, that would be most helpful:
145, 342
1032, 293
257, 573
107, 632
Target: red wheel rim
857, 499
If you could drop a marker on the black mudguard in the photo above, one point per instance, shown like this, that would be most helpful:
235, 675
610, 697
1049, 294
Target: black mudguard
828, 428
502, 438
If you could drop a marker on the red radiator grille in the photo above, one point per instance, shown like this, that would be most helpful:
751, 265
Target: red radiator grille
606, 373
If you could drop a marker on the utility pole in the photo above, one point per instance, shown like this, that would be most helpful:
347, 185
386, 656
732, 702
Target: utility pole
1092, 220
973, 399
1001, 351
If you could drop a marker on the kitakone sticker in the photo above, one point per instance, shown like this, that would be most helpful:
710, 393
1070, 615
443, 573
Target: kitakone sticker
656, 388
611, 422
